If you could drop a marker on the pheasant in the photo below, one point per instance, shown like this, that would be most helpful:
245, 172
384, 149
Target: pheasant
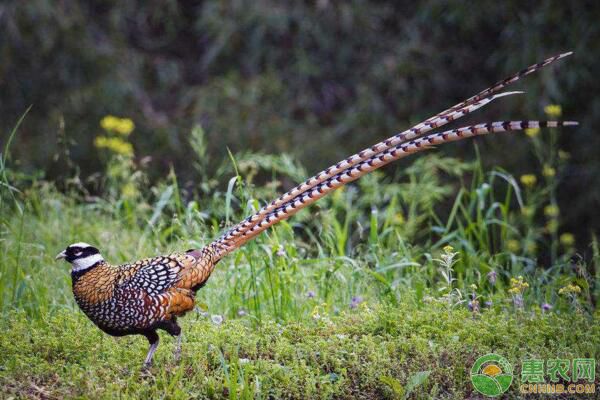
150, 294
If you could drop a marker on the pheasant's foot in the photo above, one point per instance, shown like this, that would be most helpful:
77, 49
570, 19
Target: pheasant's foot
148, 360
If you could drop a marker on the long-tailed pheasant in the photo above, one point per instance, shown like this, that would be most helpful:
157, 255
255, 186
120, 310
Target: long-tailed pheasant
147, 295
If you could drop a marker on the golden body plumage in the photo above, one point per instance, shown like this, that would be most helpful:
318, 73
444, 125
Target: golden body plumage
131, 298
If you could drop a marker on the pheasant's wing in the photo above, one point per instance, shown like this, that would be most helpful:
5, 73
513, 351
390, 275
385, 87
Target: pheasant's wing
167, 282
157, 275
152, 275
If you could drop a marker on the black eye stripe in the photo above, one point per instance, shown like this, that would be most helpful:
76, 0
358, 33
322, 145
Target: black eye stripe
81, 252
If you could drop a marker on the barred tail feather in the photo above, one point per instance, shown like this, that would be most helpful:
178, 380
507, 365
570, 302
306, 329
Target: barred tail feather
419, 129
510, 80
446, 116
385, 157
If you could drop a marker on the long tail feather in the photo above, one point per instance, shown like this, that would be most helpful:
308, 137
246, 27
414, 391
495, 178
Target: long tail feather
399, 151
423, 127
510, 80
457, 111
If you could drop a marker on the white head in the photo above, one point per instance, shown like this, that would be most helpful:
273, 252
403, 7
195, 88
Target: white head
81, 256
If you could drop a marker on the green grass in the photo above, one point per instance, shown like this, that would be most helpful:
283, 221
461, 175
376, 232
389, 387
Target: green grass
366, 353
359, 296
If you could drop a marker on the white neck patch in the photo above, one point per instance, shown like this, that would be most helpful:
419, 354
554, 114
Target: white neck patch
84, 263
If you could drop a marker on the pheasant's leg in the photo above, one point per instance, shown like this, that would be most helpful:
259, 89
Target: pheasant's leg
153, 339
178, 348
175, 330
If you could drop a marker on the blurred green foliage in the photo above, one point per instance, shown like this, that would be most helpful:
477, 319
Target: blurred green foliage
317, 79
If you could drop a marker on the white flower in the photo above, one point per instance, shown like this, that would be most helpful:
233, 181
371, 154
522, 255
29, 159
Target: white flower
216, 319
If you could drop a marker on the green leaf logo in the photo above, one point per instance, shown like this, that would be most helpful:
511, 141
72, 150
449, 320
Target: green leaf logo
491, 375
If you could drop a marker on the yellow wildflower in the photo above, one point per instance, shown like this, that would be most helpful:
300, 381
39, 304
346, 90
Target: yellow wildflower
553, 110
129, 190
551, 211
448, 249
527, 211
517, 285
531, 247
109, 122
101, 142
552, 226
398, 218
548, 171
528, 180
125, 126
567, 239
316, 312
114, 144
532, 132
513, 245
570, 289
473, 287
564, 155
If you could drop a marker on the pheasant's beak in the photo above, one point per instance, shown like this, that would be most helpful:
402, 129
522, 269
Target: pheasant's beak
61, 255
